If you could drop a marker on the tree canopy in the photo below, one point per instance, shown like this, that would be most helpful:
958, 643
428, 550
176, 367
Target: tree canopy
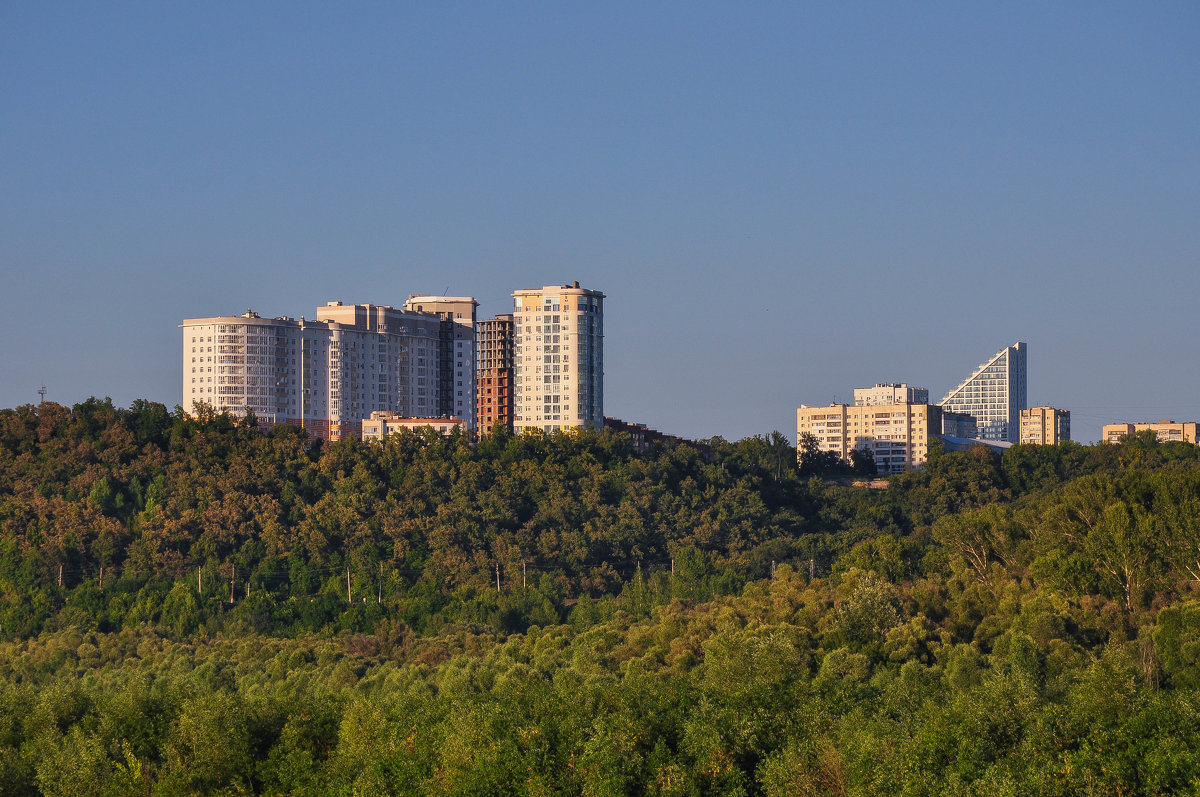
193, 605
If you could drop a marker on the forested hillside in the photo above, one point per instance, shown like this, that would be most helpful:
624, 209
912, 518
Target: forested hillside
190, 606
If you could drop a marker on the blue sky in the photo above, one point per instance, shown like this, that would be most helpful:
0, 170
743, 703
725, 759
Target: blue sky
781, 201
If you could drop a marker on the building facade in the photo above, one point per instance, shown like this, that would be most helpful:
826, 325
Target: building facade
494, 373
1045, 426
324, 375
558, 358
239, 363
381, 424
456, 352
890, 393
1166, 431
896, 434
994, 394
958, 424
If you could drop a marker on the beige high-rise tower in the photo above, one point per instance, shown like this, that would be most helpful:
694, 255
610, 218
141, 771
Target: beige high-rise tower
558, 358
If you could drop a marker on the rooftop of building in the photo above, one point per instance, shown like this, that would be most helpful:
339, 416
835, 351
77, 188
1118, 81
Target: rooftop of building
572, 288
426, 297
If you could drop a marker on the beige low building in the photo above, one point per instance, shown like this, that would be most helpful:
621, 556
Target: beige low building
1166, 431
381, 424
1045, 426
897, 434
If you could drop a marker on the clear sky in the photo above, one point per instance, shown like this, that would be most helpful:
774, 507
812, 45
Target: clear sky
782, 201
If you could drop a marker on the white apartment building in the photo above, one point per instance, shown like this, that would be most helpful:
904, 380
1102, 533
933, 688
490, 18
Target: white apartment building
325, 375
558, 358
890, 393
456, 352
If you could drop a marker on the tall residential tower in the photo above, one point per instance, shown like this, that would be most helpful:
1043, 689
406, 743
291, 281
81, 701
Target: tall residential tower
558, 358
494, 373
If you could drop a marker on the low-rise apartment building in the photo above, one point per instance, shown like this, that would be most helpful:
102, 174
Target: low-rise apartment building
1166, 431
381, 424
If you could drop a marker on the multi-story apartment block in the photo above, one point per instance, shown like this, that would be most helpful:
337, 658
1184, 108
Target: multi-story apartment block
995, 394
558, 358
325, 375
456, 352
1166, 431
890, 393
494, 373
1045, 426
896, 434
244, 362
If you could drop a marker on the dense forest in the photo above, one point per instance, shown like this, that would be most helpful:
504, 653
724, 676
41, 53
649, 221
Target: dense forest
198, 606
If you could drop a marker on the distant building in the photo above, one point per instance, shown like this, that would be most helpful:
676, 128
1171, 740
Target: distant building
642, 435
1045, 426
381, 424
494, 373
896, 434
958, 424
994, 394
456, 352
1166, 431
558, 358
324, 375
950, 444
893, 393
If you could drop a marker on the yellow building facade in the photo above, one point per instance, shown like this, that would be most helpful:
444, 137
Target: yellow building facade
896, 434
1045, 426
1166, 431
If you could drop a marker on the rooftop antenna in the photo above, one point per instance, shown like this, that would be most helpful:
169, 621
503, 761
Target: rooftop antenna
42, 394
446, 292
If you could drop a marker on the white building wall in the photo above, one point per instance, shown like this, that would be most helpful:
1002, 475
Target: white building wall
460, 310
899, 393
328, 374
